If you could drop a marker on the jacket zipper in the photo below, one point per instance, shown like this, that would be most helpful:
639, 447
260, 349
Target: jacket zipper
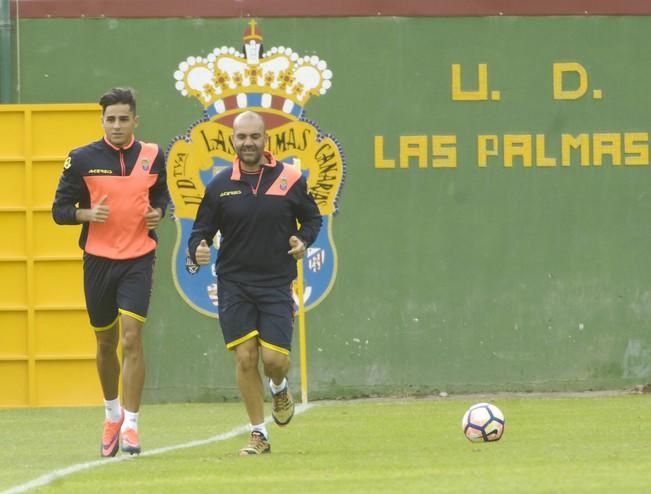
122, 165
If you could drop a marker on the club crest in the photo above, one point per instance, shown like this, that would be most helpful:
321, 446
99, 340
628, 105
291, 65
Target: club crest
278, 84
283, 183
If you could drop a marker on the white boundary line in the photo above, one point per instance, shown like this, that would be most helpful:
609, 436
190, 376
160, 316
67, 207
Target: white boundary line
50, 477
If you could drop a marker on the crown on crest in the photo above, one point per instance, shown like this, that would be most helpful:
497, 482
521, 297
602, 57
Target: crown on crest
277, 79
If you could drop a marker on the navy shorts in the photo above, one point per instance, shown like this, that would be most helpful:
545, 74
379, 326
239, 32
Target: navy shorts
114, 287
247, 311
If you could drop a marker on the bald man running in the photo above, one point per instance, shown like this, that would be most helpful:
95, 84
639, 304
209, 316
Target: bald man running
255, 205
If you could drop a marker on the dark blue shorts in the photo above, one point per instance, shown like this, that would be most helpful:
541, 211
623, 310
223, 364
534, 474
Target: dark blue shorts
114, 287
266, 313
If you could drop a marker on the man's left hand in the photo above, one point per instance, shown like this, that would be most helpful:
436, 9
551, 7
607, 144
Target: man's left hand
153, 217
297, 249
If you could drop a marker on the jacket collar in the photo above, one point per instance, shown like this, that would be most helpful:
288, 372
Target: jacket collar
236, 172
128, 146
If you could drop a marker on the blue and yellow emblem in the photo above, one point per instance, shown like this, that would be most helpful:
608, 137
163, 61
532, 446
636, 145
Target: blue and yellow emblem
276, 83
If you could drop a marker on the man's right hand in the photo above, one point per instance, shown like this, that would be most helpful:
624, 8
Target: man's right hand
202, 254
97, 214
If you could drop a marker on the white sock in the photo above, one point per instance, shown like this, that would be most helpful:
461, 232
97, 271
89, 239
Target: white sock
275, 389
130, 420
112, 410
262, 428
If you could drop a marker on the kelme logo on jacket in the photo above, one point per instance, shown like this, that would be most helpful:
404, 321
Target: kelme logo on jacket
276, 83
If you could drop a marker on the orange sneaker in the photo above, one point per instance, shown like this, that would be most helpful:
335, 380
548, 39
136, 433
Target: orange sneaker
130, 442
110, 437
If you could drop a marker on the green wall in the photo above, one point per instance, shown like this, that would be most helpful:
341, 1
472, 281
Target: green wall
458, 279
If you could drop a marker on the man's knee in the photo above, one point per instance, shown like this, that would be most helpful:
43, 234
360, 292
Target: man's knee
107, 340
275, 362
246, 355
131, 335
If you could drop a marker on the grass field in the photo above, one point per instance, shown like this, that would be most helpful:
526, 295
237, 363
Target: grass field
552, 444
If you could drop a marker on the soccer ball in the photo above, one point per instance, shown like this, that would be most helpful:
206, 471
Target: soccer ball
483, 422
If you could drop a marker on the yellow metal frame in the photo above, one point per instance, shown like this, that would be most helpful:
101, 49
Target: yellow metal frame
47, 349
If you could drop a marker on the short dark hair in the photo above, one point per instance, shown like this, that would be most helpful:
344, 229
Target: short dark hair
119, 96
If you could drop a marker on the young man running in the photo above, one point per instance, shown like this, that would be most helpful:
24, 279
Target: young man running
116, 189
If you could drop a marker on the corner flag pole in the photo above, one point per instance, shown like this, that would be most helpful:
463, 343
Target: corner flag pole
302, 345
301, 333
